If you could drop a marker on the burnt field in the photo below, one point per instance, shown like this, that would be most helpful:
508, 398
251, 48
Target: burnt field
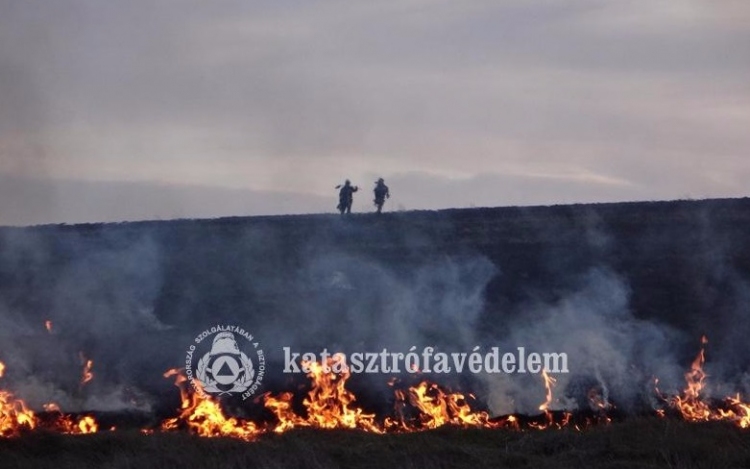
625, 290
643, 443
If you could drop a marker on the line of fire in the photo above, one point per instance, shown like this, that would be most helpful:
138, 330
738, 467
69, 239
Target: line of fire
326, 402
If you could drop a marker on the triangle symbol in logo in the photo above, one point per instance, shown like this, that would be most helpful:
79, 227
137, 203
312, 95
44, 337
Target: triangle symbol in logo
225, 370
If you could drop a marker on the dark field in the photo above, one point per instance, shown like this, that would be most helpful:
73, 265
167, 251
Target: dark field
626, 289
639, 443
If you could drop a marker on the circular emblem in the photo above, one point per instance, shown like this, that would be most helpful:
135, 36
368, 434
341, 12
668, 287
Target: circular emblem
223, 367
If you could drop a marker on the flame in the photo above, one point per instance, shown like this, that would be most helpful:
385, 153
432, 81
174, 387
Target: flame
738, 412
48, 325
87, 424
281, 407
328, 404
436, 408
86, 375
549, 384
690, 403
694, 408
203, 416
58, 421
51, 407
16, 418
511, 422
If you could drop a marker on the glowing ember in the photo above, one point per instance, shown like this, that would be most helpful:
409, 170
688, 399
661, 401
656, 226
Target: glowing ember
87, 425
597, 401
51, 407
57, 421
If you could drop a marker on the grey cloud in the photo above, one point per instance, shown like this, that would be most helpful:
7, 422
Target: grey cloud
26, 201
401, 86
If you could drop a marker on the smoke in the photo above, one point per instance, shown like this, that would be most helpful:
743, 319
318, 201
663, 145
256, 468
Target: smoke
132, 298
98, 297
603, 341
367, 304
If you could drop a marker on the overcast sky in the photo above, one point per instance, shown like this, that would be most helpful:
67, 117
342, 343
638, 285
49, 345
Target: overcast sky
142, 109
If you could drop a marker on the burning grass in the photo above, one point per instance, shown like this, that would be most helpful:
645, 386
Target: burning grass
645, 442
430, 427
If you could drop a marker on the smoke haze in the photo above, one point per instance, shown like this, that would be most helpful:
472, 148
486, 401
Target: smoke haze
589, 281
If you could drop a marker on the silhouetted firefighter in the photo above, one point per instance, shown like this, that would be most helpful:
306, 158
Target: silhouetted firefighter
346, 197
381, 193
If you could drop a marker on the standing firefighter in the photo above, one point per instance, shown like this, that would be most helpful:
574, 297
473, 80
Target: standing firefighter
381, 193
346, 197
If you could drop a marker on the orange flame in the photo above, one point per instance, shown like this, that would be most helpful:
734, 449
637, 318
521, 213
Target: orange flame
693, 408
67, 424
86, 375
328, 404
87, 425
16, 418
437, 408
690, 403
549, 383
203, 416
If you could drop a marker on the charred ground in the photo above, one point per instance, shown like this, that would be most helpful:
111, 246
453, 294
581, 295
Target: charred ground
641, 443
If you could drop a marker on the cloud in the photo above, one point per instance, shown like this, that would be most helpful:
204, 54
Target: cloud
26, 201
295, 97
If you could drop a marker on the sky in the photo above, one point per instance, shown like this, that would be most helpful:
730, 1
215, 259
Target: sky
159, 109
